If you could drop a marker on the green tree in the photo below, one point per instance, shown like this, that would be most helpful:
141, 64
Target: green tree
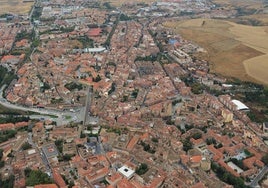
36, 177
2, 164
187, 144
155, 140
264, 159
1, 154
59, 145
197, 135
8, 183
26, 146
142, 169
97, 79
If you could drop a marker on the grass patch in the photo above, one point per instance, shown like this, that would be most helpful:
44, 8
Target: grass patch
68, 117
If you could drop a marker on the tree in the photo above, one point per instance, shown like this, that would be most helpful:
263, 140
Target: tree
7, 183
124, 17
5, 135
71, 184
97, 79
142, 169
36, 177
26, 146
2, 164
197, 135
1, 154
59, 145
113, 87
197, 88
67, 157
227, 177
72, 86
264, 159
187, 144
155, 140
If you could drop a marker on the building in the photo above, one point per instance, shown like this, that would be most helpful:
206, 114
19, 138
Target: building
240, 106
126, 172
265, 127
50, 150
227, 115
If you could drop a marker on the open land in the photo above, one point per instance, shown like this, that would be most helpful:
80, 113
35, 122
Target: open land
118, 3
241, 3
234, 50
15, 6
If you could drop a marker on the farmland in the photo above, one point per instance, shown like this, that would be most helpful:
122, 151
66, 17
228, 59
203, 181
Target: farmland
118, 3
234, 50
15, 6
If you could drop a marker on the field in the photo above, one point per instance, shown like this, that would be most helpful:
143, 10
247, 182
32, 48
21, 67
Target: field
234, 50
251, 3
15, 6
118, 3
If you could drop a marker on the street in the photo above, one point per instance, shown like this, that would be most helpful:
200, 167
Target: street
254, 183
54, 115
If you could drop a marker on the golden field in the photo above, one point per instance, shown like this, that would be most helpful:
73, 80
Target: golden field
234, 50
118, 3
15, 6
255, 4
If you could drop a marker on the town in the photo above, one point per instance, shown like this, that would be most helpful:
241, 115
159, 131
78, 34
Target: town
113, 98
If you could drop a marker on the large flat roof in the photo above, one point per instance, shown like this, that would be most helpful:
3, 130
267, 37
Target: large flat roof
127, 172
50, 150
100, 49
240, 105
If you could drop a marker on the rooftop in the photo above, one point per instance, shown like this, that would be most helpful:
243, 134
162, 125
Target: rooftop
240, 105
127, 172
50, 150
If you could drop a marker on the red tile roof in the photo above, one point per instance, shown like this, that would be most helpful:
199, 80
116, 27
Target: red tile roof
94, 32
46, 186
124, 183
58, 179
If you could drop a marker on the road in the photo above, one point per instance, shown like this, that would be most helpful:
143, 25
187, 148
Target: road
254, 183
61, 117
44, 159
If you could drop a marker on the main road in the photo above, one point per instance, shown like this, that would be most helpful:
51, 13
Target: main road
61, 117
256, 180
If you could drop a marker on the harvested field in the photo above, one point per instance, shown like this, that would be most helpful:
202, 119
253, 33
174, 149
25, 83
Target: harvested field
118, 3
240, 3
15, 6
234, 50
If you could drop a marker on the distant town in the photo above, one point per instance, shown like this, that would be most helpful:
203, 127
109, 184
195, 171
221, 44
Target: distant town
94, 95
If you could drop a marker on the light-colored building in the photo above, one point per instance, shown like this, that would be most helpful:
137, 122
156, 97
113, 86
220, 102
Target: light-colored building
126, 172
